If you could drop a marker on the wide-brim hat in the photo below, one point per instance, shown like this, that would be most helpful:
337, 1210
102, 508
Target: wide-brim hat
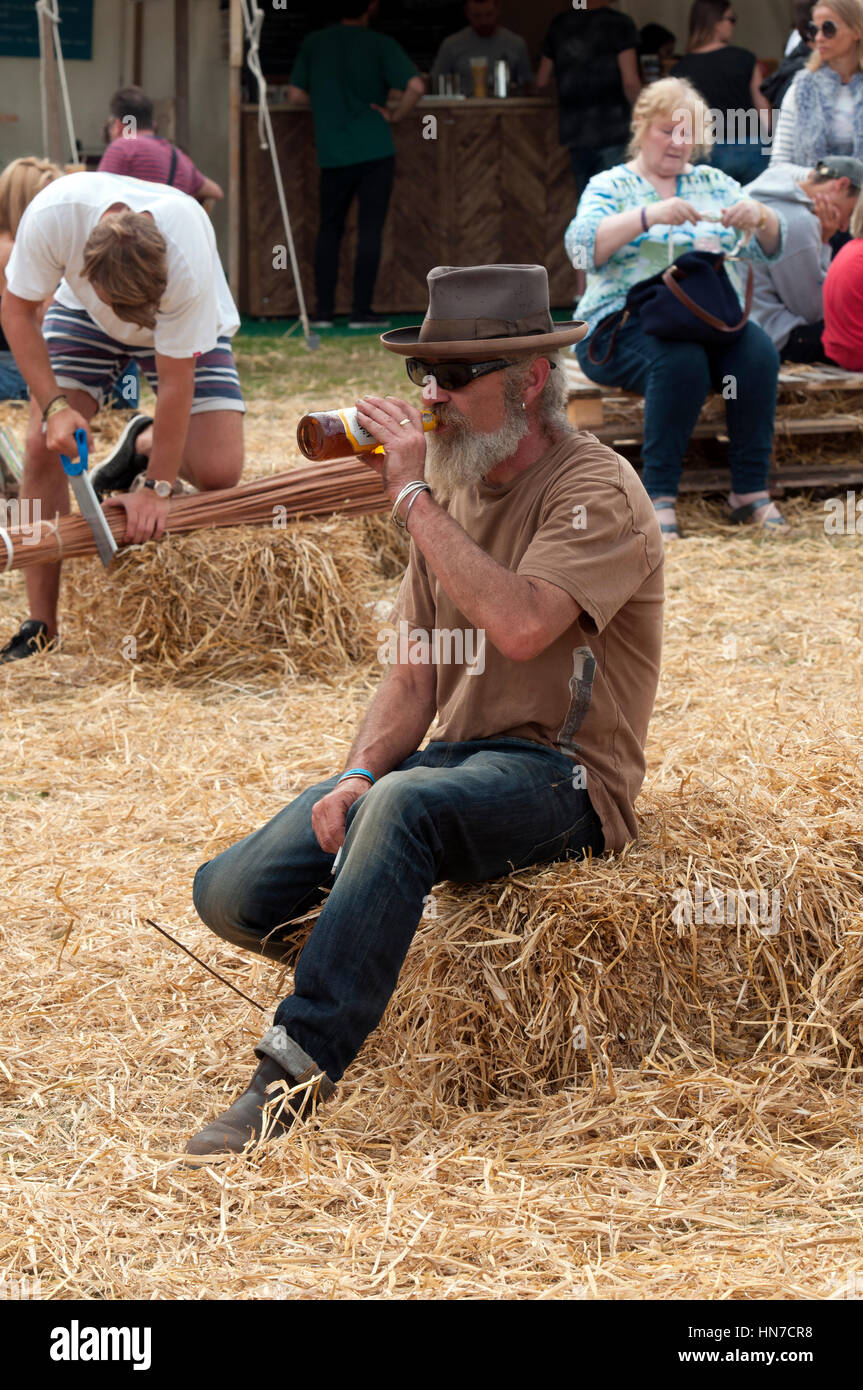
479, 311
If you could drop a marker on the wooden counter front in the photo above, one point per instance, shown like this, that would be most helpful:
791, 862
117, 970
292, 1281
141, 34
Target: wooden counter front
484, 182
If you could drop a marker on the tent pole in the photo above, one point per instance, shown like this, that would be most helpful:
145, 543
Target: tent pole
181, 73
235, 82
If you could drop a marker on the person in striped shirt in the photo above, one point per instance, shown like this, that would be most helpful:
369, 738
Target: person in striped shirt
135, 275
138, 152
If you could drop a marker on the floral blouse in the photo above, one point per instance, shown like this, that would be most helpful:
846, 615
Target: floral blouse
621, 190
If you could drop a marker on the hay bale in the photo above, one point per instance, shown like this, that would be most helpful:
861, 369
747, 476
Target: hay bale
235, 602
388, 546
570, 971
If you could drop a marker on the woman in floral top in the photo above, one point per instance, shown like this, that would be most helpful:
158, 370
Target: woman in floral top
632, 221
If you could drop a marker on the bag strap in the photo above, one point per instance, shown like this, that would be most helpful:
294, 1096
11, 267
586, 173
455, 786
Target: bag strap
601, 361
670, 280
173, 169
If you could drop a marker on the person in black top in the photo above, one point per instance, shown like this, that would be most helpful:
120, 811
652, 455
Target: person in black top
593, 53
729, 79
774, 87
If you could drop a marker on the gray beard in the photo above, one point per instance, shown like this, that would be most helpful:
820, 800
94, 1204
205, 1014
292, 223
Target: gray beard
463, 456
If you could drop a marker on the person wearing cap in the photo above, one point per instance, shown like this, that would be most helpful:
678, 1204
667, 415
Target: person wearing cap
529, 621
788, 302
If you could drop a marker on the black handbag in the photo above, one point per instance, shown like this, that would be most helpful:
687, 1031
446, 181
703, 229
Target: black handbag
706, 311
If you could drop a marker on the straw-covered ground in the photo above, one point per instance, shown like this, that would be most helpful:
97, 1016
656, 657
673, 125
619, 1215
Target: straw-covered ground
576, 1092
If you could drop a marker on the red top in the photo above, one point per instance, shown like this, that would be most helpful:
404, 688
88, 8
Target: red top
843, 307
149, 157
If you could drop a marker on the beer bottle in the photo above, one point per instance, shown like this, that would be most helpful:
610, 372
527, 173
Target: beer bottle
336, 434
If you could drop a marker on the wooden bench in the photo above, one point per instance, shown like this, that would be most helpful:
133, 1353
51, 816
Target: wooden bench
616, 417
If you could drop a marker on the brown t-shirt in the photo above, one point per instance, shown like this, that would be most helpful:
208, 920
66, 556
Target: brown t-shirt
579, 518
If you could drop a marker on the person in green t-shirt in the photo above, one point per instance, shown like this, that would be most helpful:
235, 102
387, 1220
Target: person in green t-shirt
345, 73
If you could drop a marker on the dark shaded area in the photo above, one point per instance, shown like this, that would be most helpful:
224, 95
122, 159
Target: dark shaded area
418, 25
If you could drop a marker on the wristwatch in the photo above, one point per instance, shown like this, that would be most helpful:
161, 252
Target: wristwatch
161, 489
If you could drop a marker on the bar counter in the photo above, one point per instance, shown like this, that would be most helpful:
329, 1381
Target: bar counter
482, 181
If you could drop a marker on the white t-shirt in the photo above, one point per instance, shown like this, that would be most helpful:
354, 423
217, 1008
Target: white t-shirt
196, 308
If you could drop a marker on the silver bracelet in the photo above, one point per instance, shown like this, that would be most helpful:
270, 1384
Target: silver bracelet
411, 502
409, 488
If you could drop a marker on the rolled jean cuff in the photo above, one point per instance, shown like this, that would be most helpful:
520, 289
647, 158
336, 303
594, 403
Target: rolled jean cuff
280, 1046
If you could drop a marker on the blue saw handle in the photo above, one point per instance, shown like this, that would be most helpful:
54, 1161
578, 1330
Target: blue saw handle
74, 470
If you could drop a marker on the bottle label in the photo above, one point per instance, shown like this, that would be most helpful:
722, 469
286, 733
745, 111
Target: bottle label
359, 438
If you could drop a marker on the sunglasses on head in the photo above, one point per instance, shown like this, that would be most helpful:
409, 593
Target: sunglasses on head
828, 29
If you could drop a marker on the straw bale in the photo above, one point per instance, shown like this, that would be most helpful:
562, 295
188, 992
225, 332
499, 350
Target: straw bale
232, 602
570, 970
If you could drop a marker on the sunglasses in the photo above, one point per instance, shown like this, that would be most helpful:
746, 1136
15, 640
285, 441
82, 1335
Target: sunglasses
451, 376
828, 29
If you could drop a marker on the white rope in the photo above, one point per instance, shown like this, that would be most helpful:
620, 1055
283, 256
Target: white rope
51, 10
10, 550
253, 18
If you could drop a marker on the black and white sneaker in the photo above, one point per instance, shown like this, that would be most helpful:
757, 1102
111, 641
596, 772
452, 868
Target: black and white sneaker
30, 639
368, 321
119, 470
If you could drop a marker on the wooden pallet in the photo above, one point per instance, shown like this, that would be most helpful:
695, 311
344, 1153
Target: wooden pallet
592, 407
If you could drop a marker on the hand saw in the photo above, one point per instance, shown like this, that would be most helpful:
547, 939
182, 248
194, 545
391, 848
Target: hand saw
87, 500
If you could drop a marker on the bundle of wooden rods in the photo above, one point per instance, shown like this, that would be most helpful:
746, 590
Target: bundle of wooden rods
344, 485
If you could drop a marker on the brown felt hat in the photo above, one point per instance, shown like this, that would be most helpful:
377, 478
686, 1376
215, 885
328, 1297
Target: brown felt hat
479, 311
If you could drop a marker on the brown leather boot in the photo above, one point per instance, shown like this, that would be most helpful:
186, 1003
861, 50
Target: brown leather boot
296, 1098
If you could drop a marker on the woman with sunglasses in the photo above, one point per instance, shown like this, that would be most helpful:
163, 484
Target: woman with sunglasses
729, 79
822, 113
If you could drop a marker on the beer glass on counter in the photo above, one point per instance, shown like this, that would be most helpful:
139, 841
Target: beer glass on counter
479, 73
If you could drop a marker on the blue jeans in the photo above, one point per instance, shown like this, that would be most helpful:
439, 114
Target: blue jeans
742, 160
675, 380
464, 811
13, 387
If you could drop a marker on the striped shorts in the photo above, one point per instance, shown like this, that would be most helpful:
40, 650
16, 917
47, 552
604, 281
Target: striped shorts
84, 358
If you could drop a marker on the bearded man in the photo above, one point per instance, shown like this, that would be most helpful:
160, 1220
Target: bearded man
531, 543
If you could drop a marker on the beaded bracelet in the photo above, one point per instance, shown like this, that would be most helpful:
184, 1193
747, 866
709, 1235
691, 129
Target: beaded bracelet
357, 772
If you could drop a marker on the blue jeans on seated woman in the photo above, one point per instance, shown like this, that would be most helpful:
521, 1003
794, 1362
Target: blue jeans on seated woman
675, 380
465, 811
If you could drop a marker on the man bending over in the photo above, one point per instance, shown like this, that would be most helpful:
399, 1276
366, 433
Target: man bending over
139, 280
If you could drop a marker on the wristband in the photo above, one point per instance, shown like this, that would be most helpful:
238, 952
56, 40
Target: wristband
763, 223
356, 772
644, 219
59, 402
